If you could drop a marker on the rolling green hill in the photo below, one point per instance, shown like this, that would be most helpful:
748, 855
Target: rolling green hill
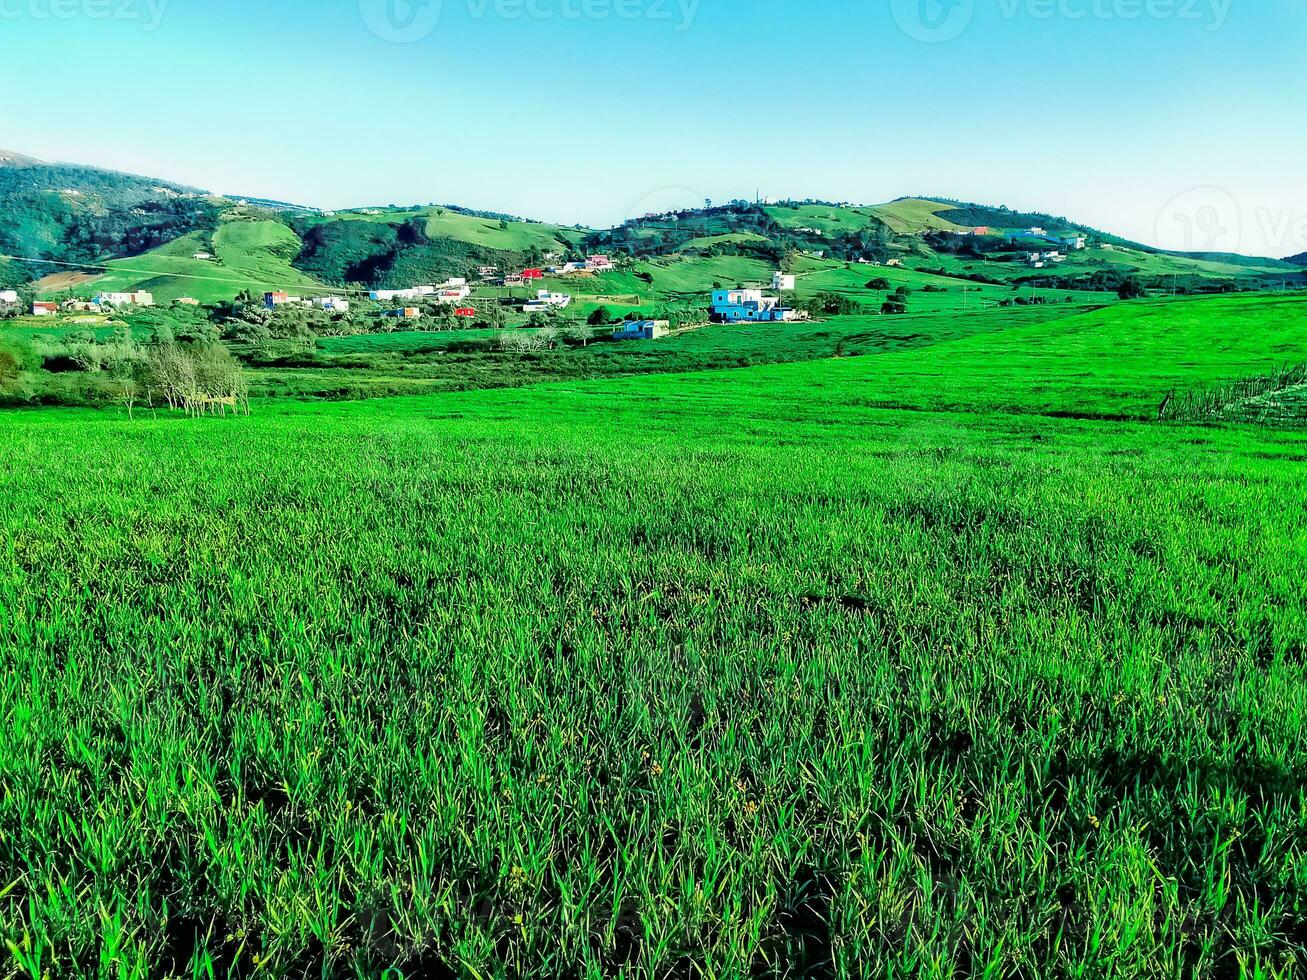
145, 230
248, 255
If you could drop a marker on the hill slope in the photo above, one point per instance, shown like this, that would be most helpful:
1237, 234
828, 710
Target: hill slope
61, 217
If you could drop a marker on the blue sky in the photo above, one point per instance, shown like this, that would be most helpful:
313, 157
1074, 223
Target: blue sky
1171, 121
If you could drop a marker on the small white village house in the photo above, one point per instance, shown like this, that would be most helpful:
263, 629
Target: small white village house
45, 309
545, 301
9, 296
643, 330
598, 263
138, 298
782, 283
202, 256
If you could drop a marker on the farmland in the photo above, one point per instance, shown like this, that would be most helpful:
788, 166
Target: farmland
939, 660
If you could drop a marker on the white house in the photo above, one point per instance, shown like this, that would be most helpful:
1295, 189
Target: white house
202, 256
545, 300
1036, 231
734, 305
782, 283
894, 263
9, 296
45, 309
453, 295
336, 304
138, 298
488, 271
642, 330
598, 263
413, 292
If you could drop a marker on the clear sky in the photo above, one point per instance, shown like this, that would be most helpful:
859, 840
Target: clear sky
1175, 122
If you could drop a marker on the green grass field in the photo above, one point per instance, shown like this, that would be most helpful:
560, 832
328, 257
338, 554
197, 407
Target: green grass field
941, 660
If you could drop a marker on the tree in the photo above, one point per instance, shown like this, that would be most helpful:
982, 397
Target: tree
578, 333
893, 307
601, 316
15, 358
1132, 288
880, 285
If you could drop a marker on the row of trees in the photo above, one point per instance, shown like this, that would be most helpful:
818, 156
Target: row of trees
194, 375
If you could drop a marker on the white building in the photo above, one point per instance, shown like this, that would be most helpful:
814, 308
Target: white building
45, 309
734, 305
598, 263
642, 330
9, 296
138, 298
202, 256
782, 283
455, 295
413, 292
336, 304
545, 301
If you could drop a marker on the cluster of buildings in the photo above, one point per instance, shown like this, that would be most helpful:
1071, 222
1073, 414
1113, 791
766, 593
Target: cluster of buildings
452, 291
1040, 260
8, 297
751, 305
1072, 243
95, 304
592, 264
336, 304
138, 298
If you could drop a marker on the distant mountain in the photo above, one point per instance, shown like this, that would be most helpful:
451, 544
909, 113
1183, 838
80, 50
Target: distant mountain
8, 158
56, 215
1297, 259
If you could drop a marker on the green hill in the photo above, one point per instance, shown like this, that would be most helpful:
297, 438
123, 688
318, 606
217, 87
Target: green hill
248, 255
59, 219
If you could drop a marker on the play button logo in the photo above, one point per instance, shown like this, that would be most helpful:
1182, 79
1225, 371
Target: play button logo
933, 21
401, 21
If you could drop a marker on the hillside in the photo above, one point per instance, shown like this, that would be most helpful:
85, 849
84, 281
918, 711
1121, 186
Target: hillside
125, 232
